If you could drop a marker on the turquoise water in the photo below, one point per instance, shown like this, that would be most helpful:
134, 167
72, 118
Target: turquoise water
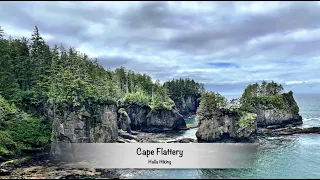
190, 121
296, 156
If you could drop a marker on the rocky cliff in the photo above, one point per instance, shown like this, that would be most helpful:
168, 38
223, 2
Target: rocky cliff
124, 120
272, 105
153, 120
279, 110
277, 118
188, 105
159, 120
85, 126
138, 116
99, 124
223, 125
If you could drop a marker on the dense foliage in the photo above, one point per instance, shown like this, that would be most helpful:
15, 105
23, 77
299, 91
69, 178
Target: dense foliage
19, 130
213, 104
209, 103
268, 96
180, 88
38, 81
140, 90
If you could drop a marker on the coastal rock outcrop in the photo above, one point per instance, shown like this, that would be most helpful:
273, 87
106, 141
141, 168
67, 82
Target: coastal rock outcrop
287, 112
75, 126
272, 105
217, 123
124, 120
154, 120
224, 125
186, 94
289, 131
159, 120
188, 105
138, 116
270, 117
105, 130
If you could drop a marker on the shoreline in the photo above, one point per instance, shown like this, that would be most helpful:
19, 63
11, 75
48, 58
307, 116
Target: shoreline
41, 167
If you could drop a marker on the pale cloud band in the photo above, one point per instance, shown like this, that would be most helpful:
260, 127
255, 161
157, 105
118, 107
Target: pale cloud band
225, 45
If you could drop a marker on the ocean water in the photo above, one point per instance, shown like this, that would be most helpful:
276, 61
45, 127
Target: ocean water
296, 156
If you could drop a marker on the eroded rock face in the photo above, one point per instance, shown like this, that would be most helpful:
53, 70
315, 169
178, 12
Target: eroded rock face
281, 113
160, 120
273, 106
224, 125
107, 130
76, 127
188, 105
145, 119
138, 116
124, 122
279, 117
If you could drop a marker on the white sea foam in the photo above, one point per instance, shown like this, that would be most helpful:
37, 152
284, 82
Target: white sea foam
313, 118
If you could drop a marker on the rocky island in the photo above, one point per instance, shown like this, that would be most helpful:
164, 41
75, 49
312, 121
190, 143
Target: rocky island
274, 107
217, 123
261, 106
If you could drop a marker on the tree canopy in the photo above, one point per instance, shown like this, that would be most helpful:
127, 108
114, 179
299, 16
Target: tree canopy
268, 95
180, 88
35, 78
209, 103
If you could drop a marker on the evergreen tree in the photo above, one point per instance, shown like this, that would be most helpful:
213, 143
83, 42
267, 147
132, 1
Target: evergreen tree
209, 103
9, 88
1, 33
39, 79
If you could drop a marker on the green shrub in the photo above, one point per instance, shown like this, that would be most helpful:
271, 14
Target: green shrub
21, 131
162, 103
7, 145
122, 112
138, 98
97, 136
246, 119
209, 103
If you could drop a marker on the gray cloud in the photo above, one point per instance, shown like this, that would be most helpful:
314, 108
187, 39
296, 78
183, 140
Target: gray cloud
290, 18
225, 45
112, 62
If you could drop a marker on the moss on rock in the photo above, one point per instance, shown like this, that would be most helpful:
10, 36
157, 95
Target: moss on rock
97, 136
247, 119
122, 111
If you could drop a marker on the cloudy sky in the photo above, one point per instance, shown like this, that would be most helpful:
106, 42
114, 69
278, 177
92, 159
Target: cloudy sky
225, 45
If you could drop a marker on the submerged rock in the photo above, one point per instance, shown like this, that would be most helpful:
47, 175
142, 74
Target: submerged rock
291, 131
183, 140
127, 136
54, 172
